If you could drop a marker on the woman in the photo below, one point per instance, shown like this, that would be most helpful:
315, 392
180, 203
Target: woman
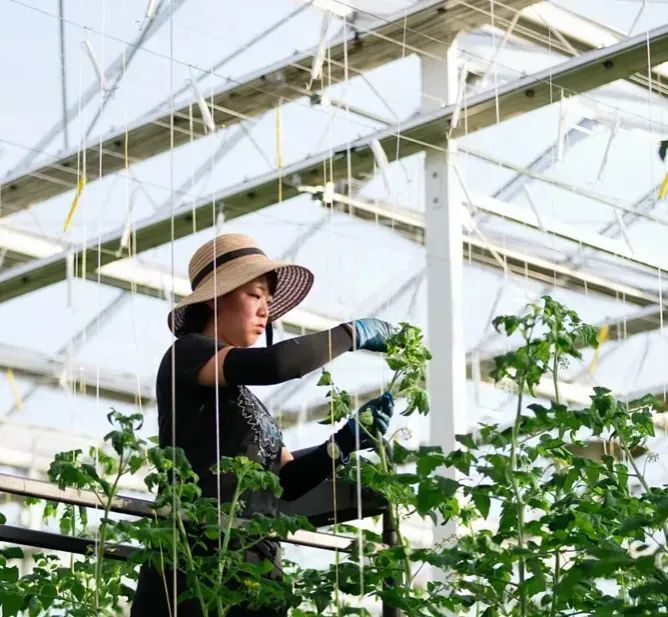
201, 386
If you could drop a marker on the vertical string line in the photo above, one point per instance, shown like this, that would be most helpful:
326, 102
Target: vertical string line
98, 283
171, 301
349, 187
328, 176
214, 218
653, 141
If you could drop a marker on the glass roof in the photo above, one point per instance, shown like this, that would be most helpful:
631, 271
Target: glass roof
581, 177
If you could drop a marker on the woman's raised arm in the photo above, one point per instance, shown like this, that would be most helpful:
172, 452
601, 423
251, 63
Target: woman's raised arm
262, 366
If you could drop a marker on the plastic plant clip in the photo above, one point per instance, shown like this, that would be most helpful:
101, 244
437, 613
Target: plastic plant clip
663, 191
151, 10
207, 117
381, 160
601, 337
127, 227
13, 386
461, 90
220, 219
75, 202
90, 52
319, 58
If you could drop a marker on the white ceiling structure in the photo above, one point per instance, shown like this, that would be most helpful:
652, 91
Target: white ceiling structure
185, 123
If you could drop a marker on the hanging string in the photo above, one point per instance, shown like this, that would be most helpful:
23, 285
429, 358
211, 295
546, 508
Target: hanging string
381, 160
278, 128
328, 178
172, 301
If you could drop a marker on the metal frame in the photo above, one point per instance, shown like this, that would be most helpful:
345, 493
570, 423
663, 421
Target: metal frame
411, 224
315, 505
552, 26
580, 74
383, 41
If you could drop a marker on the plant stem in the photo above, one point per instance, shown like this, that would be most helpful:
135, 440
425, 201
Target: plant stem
518, 499
556, 573
103, 531
226, 538
639, 474
394, 509
394, 379
191, 563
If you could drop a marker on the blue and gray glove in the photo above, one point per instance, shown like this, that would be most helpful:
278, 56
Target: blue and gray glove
372, 334
374, 417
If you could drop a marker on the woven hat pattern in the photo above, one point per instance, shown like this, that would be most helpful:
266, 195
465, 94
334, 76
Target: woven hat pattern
240, 261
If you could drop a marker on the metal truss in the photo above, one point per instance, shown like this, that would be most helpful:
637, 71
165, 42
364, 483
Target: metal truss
556, 28
383, 41
580, 74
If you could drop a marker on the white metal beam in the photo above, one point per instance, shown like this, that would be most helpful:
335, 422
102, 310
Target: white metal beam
424, 132
444, 212
382, 41
555, 27
411, 224
141, 277
518, 214
55, 371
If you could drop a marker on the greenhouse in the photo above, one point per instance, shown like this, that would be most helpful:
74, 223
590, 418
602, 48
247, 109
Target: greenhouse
333, 307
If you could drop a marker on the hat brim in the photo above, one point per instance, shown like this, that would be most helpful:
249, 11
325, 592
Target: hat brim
293, 283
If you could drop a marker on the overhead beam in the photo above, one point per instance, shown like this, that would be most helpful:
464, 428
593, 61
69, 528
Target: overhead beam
114, 73
579, 74
383, 41
410, 224
132, 274
518, 214
114, 384
117, 385
554, 27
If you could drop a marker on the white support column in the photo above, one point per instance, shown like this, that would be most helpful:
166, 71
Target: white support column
443, 218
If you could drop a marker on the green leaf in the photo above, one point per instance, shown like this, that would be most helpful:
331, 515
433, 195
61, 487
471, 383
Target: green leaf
466, 440
11, 603
482, 502
325, 379
12, 552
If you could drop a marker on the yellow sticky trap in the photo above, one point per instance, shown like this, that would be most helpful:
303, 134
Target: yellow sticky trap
13, 386
663, 191
279, 148
601, 337
75, 202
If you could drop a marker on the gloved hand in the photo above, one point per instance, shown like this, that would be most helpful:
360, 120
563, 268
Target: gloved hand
374, 416
372, 334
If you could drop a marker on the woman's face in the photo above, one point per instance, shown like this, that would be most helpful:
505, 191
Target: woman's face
242, 314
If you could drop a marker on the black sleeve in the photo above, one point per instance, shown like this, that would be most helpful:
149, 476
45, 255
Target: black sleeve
310, 467
191, 353
263, 366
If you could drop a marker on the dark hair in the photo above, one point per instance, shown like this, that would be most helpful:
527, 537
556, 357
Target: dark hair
194, 319
195, 316
272, 281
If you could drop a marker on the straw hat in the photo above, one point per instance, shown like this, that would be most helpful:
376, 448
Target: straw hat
232, 260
